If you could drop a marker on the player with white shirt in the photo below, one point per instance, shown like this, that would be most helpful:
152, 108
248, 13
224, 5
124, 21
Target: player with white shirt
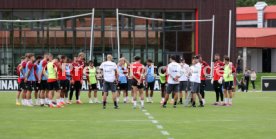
195, 73
110, 71
183, 85
174, 73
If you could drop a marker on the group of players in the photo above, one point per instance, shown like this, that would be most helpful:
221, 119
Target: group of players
51, 77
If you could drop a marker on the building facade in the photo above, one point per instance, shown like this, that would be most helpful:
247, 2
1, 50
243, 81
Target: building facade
256, 36
149, 39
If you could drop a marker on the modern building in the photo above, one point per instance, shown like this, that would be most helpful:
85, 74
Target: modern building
149, 39
256, 36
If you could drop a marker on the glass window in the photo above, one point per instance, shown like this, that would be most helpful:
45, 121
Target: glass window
271, 23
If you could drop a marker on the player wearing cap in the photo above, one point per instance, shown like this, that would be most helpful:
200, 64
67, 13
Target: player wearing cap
110, 71
217, 79
183, 86
195, 74
228, 81
174, 73
137, 70
150, 80
91, 72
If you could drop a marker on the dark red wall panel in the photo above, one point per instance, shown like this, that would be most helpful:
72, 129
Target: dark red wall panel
206, 8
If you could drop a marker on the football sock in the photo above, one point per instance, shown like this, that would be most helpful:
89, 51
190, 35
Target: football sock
201, 102
142, 103
226, 100
165, 103
134, 103
115, 103
193, 103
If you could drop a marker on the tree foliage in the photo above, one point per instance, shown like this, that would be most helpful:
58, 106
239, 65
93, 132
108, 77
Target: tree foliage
246, 3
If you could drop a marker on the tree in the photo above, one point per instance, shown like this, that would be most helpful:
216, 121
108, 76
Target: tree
246, 3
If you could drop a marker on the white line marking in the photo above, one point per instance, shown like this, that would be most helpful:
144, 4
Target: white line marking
131, 120
151, 117
159, 126
154, 121
147, 113
55, 120
166, 133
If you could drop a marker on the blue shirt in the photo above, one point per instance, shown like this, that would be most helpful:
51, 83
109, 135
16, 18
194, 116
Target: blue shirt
31, 76
150, 74
122, 76
40, 67
67, 72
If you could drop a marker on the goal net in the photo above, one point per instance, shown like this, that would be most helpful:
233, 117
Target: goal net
58, 32
156, 35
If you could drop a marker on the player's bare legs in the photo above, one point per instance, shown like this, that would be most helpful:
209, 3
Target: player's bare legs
141, 93
135, 90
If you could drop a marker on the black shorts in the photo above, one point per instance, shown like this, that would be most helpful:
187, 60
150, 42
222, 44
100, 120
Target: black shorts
123, 86
109, 86
21, 85
217, 85
195, 87
37, 86
183, 85
135, 83
63, 84
228, 85
172, 88
151, 86
163, 85
53, 85
30, 85
76, 86
43, 85
68, 85
93, 87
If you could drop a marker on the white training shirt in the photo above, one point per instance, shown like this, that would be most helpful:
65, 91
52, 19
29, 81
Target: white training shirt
109, 69
185, 69
173, 71
195, 73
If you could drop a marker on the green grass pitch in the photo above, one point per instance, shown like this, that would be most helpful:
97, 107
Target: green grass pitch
253, 116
